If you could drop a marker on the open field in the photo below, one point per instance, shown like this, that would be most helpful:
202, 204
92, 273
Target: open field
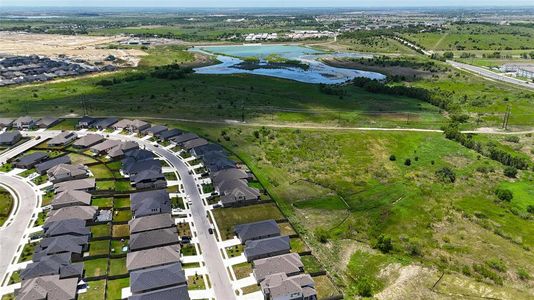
346, 184
476, 37
83, 47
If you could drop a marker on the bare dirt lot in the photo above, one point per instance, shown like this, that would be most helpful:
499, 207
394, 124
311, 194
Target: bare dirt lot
89, 48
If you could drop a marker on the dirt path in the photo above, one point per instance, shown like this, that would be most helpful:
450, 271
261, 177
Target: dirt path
439, 41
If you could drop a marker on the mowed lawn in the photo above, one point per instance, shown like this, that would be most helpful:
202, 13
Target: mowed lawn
358, 185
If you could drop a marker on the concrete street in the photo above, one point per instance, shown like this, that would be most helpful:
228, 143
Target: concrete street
11, 235
490, 75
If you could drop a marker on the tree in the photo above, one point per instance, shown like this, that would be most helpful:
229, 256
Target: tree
530, 208
392, 157
448, 55
446, 175
504, 194
510, 172
384, 244
408, 162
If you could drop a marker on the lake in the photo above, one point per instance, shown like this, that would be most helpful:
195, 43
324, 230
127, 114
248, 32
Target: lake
231, 58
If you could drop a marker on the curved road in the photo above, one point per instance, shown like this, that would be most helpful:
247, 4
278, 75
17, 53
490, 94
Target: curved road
11, 235
211, 254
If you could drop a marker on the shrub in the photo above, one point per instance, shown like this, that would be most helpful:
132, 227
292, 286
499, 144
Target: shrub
530, 208
446, 175
512, 139
510, 172
384, 244
392, 157
523, 274
322, 235
365, 287
504, 194
408, 162
496, 264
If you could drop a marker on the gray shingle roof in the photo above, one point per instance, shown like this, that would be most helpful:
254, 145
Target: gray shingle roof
257, 230
153, 238
48, 287
71, 197
289, 264
63, 138
155, 129
10, 137
182, 138
88, 140
79, 184
152, 257
172, 293
150, 203
31, 159
70, 226
151, 223
169, 134
86, 213
267, 247
45, 166
157, 278
194, 143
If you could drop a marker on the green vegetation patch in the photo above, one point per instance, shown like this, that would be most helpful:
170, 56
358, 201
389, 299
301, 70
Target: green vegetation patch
227, 218
6, 205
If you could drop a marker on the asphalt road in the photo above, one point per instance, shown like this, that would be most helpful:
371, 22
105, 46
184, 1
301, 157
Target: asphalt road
11, 235
489, 74
218, 274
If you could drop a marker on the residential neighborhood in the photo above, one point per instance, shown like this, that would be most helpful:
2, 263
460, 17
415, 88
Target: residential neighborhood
116, 209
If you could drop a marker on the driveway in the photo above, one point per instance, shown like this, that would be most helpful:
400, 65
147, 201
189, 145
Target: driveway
11, 236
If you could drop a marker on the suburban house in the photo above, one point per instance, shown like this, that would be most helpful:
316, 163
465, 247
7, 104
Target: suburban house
86, 213
194, 143
150, 203
171, 293
86, 121
167, 134
104, 146
86, 184
152, 257
104, 123
130, 166
30, 160
152, 222
119, 151
229, 174
122, 124
257, 230
88, 141
24, 123
61, 245
152, 239
66, 172
149, 179
53, 265
49, 287
155, 278
236, 193
257, 249
217, 161
47, 165
62, 139
10, 138
69, 226
154, 130
131, 125
289, 264
138, 154
280, 286
200, 151
46, 122
182, 138
6, 122
71, 198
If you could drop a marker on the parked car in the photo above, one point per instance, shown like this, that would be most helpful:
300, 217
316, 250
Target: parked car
210, 231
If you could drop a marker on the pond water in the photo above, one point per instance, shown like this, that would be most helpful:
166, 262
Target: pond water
230, 58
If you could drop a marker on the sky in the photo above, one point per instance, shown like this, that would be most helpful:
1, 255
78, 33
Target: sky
268, 3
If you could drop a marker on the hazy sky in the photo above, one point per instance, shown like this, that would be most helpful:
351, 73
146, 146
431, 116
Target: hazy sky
267, 3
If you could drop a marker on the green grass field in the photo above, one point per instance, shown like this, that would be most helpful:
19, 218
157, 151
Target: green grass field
6, 205
476, 37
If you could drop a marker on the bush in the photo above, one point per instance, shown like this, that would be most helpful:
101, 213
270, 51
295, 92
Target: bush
530, 208
392, 157
504, 195
446, 175
365, 287
496, 264
408, 162
384, 244
512, 139
171, 72
322, 235
523, 274
510, 172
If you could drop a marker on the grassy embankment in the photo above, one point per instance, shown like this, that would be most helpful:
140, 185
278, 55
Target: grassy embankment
6, 205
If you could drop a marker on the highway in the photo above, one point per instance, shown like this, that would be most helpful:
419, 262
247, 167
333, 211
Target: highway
218, 274
490, 75
11, 235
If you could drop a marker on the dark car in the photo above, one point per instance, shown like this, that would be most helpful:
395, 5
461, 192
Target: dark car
210, 231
